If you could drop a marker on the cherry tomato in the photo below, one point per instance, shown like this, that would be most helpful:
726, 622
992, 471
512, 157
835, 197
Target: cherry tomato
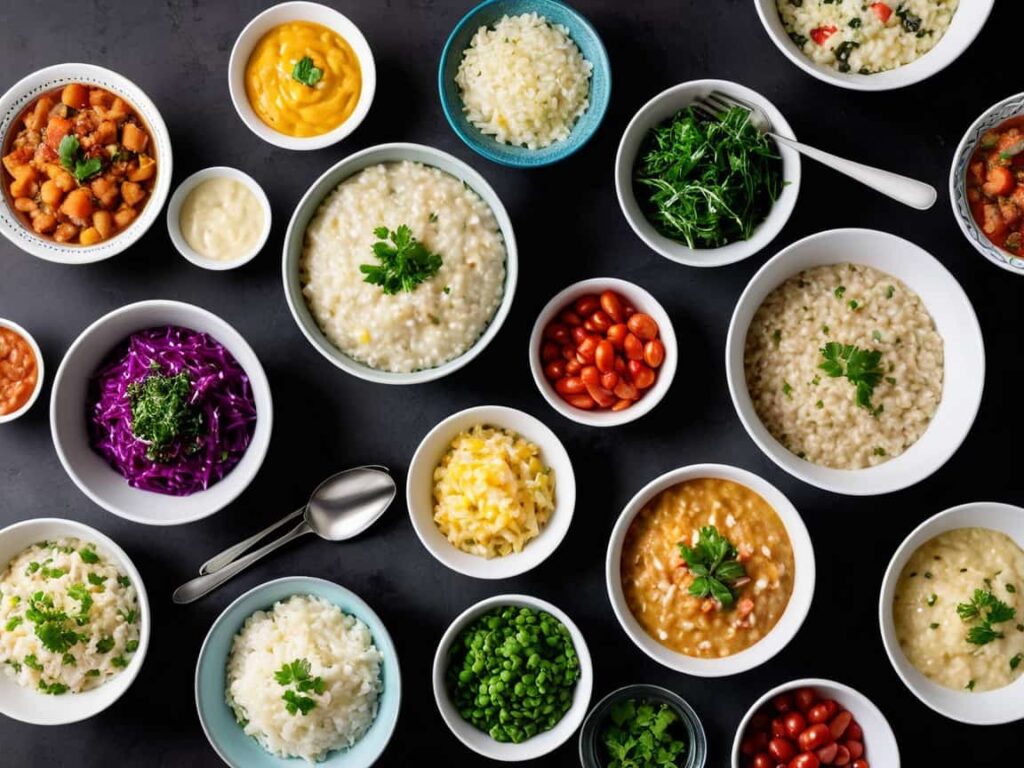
761, 760
804, 698
860, 764
828, 753
781, 749
795, 724
612, 305
654, 353
620, 366
823, 712
839, 724
855, 747
587, 305
550, 351
821, 34
805, 760
643, 326
604, 356
814, 737
555, 369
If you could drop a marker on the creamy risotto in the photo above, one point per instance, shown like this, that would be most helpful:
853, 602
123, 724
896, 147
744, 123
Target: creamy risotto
844, 366
707, 568
958, 612
69, 617
524, 81
304, 678
439, 318
862, 37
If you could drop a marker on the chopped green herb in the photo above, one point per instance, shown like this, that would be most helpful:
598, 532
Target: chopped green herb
932, 599
105, 644
129, 616
820, 404
839, 291
877, 336
31, 568
404, 263
852, 304
880, 451
119, 661
787, 390
32, 662
131, 646
69, 659
124, 581
96, 580
52, 689
933, 625
88, 555
306, 73
970, 685
163, 415
776, 337
80, 593
13, 622
713, 562
641, 735
69, 152
988, 610
890, 291
1016, 660
295, 703
859, 366
93, 673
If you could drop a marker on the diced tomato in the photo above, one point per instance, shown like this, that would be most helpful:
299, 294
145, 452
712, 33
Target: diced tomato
1000, 181
882, 11
821, 34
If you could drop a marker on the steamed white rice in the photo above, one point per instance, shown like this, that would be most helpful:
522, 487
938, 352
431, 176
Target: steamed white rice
339, 649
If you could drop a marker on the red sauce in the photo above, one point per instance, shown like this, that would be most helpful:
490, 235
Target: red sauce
995, 185
19, 371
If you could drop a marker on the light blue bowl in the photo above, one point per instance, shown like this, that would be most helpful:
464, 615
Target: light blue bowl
218, 721
590, 45
990, 118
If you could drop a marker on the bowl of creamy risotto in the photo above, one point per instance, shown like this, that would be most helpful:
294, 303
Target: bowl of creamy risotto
400, 264
952, 613
855, 361
873, 46
710, 570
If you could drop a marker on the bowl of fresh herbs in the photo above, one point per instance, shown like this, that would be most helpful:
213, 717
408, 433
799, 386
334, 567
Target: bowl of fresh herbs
642, 725
705, 191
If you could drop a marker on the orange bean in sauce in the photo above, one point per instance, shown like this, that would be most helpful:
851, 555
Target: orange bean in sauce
19, 371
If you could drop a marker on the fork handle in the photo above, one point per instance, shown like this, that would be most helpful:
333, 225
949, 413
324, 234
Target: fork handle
908, 191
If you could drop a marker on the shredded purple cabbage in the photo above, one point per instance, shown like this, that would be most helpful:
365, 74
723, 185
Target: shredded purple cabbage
221, 391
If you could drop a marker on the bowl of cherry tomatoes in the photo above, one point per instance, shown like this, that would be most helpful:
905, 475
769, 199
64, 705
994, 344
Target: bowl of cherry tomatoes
813, 723
603, 352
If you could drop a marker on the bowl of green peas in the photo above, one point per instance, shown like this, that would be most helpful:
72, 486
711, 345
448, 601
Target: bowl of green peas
513, 678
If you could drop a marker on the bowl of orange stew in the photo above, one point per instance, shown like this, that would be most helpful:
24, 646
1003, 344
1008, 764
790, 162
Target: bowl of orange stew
21, 370
86, 163
710, 570
986, 184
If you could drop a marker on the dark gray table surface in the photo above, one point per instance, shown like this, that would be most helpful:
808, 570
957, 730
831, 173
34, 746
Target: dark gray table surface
569, 227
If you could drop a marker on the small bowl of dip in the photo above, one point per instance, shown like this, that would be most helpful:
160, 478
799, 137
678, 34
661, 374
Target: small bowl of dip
219, 218
21, 371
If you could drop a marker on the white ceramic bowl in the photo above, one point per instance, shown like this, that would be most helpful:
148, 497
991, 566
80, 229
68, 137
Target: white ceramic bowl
27, 89
880, 747
965, 26
182, 193
300, 11
419, 492
90, 471
1003, 705
788, 624
945, 300
542, 743
661, 108
1010, 107
30, 706
40, 370
644, 302
295, 237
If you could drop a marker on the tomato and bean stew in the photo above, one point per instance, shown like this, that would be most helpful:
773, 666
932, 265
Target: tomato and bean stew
995, 185
800, 729
601, 353
79, 165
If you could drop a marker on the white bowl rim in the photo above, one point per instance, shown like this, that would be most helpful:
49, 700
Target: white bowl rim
889, 79
666, 332
256, 374
341, 25
130, 672
185, 188
824, 684
61, 253
892, 648
847, 482
40, 370
765, 232
582, 693
799, 600
966, 147
381, 154
483, 568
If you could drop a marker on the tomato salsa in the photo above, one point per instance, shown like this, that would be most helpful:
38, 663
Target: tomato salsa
995, 185
19, 371
78, 165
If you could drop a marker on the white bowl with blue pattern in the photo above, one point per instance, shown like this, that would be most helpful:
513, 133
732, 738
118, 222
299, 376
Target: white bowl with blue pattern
993, 117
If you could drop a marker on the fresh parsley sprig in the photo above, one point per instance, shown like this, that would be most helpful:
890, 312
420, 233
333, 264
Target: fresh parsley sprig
297, 674
306, 73
404, 263
862, 367
642, 734
987, 609
713, 562
69, 152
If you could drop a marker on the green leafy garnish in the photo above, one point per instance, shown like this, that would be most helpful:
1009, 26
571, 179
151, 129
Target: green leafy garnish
69, 659
296, 703
32, 662
52, 689
96, 580
932, 600
297, 674
124, 581
131, 646
80, 592
639, 735
88, 555
404, 263
119, 661
105, 644
71, 158
306, 73
50, 624
1016, 660
129, 616
13, 622
290, 673
987, 609
969, 686
32, 568
93, 673
860, 366
163, 415
713, 563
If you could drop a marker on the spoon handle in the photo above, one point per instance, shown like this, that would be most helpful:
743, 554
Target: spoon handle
192, 590
222, 559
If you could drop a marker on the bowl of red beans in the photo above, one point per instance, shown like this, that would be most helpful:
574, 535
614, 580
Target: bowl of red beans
603, 352
813, 723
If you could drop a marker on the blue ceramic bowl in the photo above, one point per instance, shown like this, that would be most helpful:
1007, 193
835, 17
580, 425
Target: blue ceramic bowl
218, 721
991, 118
590, 45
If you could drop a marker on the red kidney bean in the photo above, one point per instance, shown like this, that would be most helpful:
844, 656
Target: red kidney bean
854, 732
601, 396
610, 380
549, 351
557, 332
570, 385
612, 305
555, 369
654, 353
842, 756
855, 748
604, 356
583, 402
601, 321
860, 764
644, 327
823, 712
805, 760
794, 723
569, 317
804, 698
587, 305
761, 760
586, 349
643, 377
781, 749
626, 391
617, 334
569, 353
633, 347
622, 405
574, 366
814, 737
579, 334
590, 375
839, 725
828, 753
620, 366
779, 727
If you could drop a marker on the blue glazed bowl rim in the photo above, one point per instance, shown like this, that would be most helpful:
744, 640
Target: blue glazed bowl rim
554, 153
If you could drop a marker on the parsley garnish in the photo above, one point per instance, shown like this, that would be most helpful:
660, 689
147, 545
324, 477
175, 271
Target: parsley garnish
96, 580
713, 563
163, 414
988, 610
52, 689
119, 661
80, 593
88, 556
306, 73
13, 622
639, 735
128, 616
1016, 660
50, 624
296, 703
124, 581
297, 674
859, 366
105, 644
404, 264
32, 662
71, 158
969, 686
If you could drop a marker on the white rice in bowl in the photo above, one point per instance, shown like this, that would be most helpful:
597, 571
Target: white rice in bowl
524, 81
444, 315
69, 617
866, 37
304, 678
816, 415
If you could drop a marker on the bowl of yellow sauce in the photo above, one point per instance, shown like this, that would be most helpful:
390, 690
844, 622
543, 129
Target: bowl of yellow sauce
301, 76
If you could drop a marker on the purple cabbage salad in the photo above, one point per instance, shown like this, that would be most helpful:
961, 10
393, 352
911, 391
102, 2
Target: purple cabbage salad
171, 410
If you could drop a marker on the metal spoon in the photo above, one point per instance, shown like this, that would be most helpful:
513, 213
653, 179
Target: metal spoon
342, 506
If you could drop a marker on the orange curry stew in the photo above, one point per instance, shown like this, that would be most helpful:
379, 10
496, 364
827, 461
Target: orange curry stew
79, 165
995, 185
19, 371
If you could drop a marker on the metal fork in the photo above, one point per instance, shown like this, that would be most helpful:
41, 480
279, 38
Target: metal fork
908, 191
